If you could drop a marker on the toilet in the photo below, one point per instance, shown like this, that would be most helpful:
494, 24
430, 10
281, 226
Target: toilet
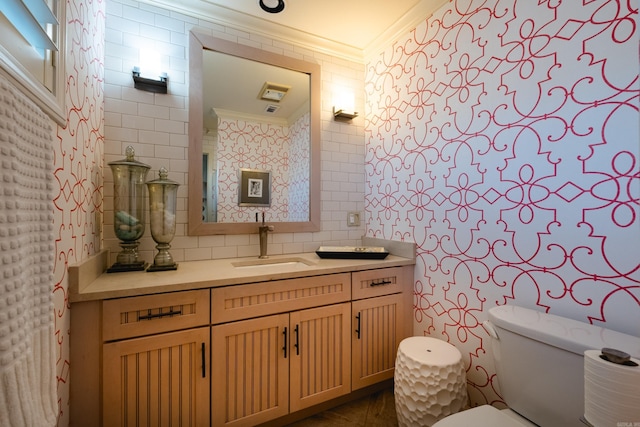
539, 360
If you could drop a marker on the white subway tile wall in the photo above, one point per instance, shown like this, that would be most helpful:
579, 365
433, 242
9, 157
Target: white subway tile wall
157, 127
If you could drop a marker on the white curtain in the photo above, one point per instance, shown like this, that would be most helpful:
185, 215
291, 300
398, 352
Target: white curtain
27, 350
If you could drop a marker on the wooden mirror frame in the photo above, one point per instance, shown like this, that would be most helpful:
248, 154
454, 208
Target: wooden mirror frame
196, 226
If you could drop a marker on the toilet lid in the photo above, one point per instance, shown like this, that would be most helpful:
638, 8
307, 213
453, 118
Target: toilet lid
484, 416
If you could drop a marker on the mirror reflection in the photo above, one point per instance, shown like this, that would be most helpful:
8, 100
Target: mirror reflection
253, 120
255, 116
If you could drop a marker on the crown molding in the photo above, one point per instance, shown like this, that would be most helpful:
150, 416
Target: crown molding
206, 10
237, 115
410, 20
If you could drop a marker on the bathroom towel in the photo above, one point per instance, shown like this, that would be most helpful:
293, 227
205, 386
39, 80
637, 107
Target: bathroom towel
27, 350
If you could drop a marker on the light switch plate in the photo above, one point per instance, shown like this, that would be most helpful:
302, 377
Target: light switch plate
353, 219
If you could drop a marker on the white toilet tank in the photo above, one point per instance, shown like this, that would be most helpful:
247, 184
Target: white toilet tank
540, 361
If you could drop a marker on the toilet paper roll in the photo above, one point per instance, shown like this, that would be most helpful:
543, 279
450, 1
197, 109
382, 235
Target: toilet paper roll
611, 391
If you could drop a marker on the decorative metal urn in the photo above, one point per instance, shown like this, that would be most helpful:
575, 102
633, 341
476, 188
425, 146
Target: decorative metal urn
162, 209
129, 176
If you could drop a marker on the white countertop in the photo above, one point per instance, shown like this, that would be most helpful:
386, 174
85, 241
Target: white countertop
97, 285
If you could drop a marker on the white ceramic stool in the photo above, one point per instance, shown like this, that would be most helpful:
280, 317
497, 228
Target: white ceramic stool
429, 381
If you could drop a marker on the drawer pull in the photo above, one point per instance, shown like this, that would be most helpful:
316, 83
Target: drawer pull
160, 315
381, 283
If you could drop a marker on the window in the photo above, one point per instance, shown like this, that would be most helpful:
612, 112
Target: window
32, 49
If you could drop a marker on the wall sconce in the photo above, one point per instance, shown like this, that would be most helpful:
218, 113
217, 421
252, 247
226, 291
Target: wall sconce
149, 85
339, 113
343, 104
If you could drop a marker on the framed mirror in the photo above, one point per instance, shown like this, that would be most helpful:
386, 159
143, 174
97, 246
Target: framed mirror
251, 109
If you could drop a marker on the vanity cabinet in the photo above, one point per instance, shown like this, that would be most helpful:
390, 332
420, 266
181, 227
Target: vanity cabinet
261, 349
378, 313
269, 366
155, 360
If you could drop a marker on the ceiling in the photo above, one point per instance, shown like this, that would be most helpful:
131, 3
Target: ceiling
233, 86
347, 28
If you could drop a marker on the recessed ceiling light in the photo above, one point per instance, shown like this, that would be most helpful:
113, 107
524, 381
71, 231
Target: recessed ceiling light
279, 7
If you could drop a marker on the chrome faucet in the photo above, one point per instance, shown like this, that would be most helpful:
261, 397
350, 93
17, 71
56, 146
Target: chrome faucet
264, 230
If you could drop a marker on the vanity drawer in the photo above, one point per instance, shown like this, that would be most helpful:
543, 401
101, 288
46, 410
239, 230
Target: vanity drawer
372, 283
260, 299
152, 314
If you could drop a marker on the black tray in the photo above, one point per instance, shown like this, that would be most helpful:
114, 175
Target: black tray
351, 252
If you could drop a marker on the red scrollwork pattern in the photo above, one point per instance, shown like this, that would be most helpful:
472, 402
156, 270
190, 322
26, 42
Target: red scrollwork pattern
269, 147
78, 157
503, 138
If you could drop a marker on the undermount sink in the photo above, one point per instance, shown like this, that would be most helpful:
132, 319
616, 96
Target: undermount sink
273, 264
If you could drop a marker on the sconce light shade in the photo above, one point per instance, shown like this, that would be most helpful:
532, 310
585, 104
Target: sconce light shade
149, 85
344, 115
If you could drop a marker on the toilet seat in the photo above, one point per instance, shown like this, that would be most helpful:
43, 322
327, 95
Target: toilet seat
484, 416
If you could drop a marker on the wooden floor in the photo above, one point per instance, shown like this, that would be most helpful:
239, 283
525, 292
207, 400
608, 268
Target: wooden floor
377, 410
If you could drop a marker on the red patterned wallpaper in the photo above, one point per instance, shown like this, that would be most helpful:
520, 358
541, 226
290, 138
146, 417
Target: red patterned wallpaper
78, 157
503, 138
299, 170
267, 147
251, 145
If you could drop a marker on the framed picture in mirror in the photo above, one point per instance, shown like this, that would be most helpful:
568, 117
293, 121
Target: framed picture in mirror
254, 187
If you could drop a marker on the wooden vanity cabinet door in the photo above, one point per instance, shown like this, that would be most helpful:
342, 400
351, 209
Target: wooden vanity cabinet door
320, 347
377, 331
261, 373
157, 380
250, 377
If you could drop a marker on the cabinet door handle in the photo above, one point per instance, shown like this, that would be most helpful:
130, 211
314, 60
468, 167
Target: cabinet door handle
380, 283
204, 363
160, 315
297, 346
358, 327
284, 348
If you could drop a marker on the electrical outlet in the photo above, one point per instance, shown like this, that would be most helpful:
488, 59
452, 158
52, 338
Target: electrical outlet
353, 219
